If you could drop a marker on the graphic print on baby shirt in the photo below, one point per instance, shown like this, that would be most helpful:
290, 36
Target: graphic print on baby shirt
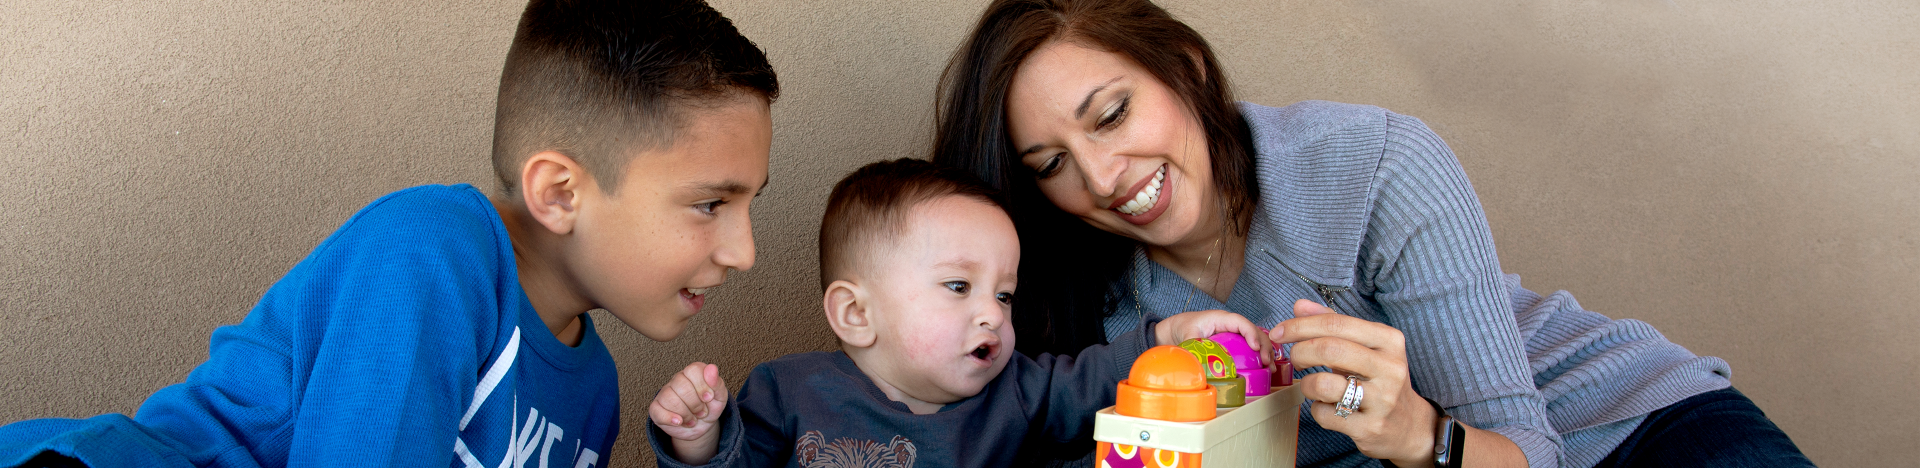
813, 451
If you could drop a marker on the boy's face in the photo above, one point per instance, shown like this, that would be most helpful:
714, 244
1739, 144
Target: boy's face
940, 299
649, 251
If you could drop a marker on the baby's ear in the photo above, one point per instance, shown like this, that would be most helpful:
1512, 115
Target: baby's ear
551, 185
846, 304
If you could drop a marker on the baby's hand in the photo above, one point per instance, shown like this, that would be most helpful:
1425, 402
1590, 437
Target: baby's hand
688, 409
1205, 323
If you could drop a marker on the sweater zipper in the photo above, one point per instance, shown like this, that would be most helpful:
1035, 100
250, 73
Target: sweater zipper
1326, 291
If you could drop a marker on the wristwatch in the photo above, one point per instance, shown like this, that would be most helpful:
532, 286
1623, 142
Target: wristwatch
1449, 438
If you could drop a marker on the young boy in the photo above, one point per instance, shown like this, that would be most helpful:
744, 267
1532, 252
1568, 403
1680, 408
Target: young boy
918, 263
440, 328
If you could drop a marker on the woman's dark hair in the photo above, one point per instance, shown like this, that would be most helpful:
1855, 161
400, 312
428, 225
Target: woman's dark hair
1071, 272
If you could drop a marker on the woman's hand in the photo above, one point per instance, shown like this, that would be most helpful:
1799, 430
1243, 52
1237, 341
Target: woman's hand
1392, 423
1204, 323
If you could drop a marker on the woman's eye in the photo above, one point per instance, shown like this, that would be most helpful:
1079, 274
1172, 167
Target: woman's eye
1114, 116
1048, 168
1005, 297
958, 287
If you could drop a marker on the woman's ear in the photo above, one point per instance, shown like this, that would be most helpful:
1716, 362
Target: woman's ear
551, 186
847, 313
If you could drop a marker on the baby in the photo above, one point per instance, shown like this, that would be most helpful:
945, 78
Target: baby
919, 264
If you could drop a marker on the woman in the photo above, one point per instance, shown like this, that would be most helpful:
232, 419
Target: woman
1141, 190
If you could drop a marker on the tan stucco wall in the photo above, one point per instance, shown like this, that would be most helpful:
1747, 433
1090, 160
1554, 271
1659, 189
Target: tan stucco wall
1745, 178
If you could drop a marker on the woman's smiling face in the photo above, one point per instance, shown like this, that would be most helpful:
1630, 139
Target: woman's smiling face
1111, 144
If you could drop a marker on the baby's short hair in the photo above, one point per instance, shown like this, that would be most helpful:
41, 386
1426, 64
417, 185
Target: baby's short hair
870, 207
601, 80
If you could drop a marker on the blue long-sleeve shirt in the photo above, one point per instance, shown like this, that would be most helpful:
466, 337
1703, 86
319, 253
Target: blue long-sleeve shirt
404, 339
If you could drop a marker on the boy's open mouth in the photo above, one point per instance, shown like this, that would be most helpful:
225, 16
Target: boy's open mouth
695, 297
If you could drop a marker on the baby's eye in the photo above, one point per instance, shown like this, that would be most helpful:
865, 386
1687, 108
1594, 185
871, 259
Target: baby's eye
1005, 297
958, 287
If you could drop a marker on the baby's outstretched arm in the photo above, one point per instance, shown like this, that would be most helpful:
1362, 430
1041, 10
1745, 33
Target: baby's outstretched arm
1205, 323
688, 409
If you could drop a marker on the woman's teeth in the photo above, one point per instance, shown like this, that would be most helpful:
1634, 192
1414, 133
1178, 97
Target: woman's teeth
1148, 195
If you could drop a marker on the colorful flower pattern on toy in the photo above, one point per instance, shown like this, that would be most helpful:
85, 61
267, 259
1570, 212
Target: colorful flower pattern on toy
1247, 361
1128, 456
1214, 359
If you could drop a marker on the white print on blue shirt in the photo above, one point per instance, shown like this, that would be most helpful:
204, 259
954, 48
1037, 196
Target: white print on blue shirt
536, 433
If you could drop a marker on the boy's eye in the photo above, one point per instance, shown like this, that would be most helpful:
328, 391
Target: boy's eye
709, 207
958, 287
1005, 297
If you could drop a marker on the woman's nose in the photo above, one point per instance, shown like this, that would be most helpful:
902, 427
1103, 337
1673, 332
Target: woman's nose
1101, 169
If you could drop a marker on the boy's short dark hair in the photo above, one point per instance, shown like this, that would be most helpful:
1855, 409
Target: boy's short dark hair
869, 208
600, 81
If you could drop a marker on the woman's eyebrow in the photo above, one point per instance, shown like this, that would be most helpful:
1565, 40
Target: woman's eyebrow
1078, 112
1081, 111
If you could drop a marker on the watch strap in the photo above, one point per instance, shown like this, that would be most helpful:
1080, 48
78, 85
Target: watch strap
1449, 438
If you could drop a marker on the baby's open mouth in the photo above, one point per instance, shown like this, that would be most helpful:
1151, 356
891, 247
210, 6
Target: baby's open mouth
982, 352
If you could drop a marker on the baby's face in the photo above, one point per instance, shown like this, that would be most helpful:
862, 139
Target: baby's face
941, 298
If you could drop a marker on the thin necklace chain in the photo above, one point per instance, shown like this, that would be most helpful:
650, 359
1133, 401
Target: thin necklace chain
1184, 306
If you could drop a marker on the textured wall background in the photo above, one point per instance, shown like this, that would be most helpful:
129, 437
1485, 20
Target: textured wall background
1745, 177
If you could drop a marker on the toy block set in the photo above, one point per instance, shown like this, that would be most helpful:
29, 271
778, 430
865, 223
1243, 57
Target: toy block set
1205, 403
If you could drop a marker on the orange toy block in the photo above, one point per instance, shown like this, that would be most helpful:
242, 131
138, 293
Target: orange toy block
1165, 417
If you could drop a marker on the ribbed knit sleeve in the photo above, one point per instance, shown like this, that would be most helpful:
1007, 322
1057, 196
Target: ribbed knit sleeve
1428, 262
1584, 381
1369, 212
1599, 376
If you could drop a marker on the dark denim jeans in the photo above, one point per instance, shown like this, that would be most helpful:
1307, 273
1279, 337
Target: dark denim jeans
1717, 428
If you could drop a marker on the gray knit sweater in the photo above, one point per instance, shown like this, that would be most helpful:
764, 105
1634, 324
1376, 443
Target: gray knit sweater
1368, 212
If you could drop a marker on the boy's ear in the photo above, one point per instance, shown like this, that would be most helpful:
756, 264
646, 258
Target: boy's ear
551, 185
847, 313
